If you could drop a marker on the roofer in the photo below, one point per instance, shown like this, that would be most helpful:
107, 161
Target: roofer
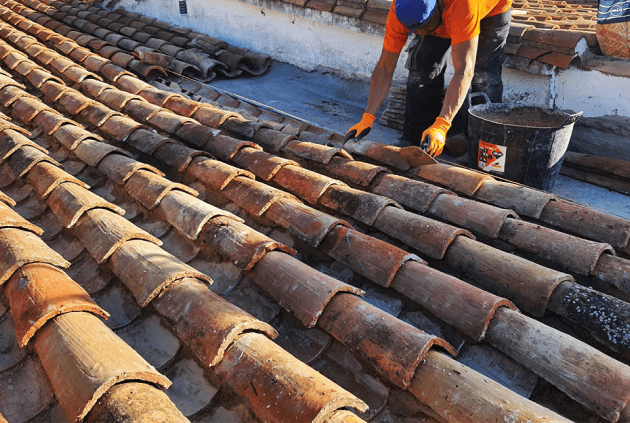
475, 30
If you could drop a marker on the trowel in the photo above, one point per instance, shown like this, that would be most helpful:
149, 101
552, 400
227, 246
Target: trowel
418, 156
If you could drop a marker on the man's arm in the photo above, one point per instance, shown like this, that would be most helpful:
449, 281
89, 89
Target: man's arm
464, 55
381, 81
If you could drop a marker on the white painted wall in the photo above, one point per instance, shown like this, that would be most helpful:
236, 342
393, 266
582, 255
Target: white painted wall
304, 37
314, 40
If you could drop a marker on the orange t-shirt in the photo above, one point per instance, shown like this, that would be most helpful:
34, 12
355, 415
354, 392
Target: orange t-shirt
460, 22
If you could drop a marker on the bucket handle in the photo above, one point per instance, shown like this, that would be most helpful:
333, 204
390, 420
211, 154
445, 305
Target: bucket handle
480, 94
571, 119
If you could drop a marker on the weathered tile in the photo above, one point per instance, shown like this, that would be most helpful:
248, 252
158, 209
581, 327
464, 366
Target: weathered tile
191, 390
70, 201
10, 219
307, 345
10, 351
87, 359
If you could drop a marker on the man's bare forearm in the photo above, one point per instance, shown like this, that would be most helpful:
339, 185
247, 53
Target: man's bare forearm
381, 81
464, 55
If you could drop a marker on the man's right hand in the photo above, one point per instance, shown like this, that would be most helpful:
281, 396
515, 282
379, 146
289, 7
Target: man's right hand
361, 129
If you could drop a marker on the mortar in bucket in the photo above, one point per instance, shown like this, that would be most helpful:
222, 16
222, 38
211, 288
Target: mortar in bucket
520, 143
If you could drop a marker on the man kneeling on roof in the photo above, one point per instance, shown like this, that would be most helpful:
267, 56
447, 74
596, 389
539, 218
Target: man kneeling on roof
475, 31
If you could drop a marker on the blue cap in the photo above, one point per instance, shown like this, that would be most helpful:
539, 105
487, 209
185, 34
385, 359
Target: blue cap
414, 13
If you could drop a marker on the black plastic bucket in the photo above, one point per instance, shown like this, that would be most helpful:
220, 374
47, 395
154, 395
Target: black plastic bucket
520, 143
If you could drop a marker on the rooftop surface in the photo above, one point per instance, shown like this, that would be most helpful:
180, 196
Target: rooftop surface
172, 253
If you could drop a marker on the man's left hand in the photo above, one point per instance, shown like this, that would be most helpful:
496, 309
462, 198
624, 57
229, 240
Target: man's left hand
436, 135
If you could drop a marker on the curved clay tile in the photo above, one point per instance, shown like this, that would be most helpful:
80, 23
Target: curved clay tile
362, 206
49, 122
353, 171
272, 139
88, 275
149, 189
120, 168
177, 156
11, 353
70, 201
103, 232
10, 219
87, 359
196, 134
315, 152
304, 183
215, 174
261, 163
613, 270
255, 364
147, 270
241, 126
305, 295
307, 223
431, 237
190, 307
253, 196
584, 373
19, 247
92, 152
477, 217
416, 195
575, 254
6, 199
465, 307
189, 214
38, 292
225, 147
523, 200
453, 391
11, 141
587, 222
386, 154
527, 284
213, 116
458, 179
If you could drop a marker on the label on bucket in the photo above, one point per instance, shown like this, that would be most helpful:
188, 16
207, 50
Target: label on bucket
491, 157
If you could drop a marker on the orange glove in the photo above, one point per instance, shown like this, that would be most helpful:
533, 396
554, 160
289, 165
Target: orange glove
361, 129
434, 137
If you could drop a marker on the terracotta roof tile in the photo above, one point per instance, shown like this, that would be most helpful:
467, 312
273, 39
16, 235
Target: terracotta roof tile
45, 177
68, 347
320, 397
20, 247
149, 189
215, 174
70, 201
304, 183
262, 164
120, 168
39, 292
189, 306
362, 206
253, 196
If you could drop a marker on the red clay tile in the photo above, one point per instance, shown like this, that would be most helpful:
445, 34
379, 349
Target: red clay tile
305, 295
12, 141
575, 254
188, 214
177, 156
10, 219
97, 114
262, 164
147, 270
465, 307
19, 247
45, 177
472, 215
141, 109
527, 284
24, 158
587, 222
428, 236
362, 206
579, 381
26, 108
410, 193
382, 153
438, 374
148, 403
255, 364
149, 189
69, 202
190, 307
525, 201
196, 134
212, 116
225, 147
368, 256
304, 183
70, 136
39, 292
167, 121
314, 152
49, 121
120, 127
111, 230
353, 171
74, 102
120, 168
215, 174
394, 348
6, 199
87, 359
456, 178
238, 242
253, 196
